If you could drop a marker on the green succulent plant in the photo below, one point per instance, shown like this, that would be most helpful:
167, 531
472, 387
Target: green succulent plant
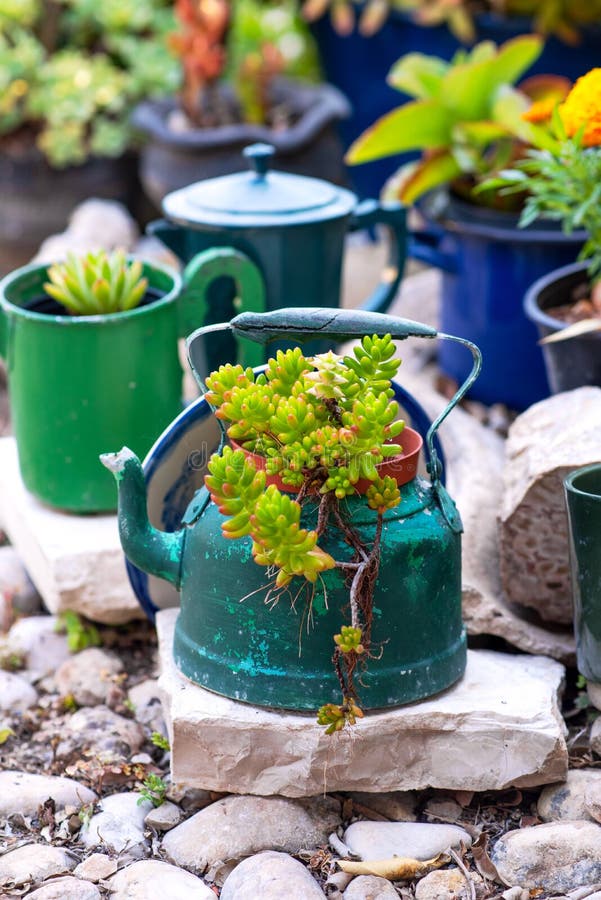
466, 116
321, 423
72, 70
98, 283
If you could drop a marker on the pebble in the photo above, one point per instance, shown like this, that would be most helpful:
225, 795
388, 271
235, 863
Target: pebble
16, 585
43, 647
595, 738
22, 792
271, 876
396, 805
558, 856
164, 817
119, 826
147, 705
151, 879
592, 800
16, 693
594, 693
446, 810
33, 863
87, 676
568, 800
96, 867
448, 884
418, 840
101, 730
370, 887
219, 836
190, 799
68, 888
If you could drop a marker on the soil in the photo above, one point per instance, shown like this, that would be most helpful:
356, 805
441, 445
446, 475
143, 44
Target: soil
585, 304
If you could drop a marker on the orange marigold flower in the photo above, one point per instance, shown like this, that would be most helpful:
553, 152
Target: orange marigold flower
540, 111
582, 107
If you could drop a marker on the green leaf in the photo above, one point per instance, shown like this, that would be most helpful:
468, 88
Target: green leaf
428, 174
421, 124
418, 75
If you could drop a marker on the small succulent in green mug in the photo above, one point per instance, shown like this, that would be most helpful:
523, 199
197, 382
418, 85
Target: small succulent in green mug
97, 283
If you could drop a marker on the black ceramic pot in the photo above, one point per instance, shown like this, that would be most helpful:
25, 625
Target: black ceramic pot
174, 159
575, 362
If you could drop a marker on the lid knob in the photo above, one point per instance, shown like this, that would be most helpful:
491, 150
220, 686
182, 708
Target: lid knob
260, 156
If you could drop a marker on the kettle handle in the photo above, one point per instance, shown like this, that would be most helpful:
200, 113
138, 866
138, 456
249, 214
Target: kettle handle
307, 323
394, 217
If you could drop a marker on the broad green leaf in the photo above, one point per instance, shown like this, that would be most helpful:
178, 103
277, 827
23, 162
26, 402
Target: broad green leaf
421, 124
586, 326
418, 75
469, 89
508, 107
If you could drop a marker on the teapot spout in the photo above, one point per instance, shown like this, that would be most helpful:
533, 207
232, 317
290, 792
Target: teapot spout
156, 552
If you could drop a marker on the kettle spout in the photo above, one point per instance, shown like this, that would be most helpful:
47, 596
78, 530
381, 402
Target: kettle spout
156, 552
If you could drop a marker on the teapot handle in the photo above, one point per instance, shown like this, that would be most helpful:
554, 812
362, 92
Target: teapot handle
394, 217
307, 323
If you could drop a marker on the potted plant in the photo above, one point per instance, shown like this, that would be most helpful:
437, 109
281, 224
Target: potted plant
359, 42
91, 348
562, 184
221, 109
69, 77
310, 579
469, 120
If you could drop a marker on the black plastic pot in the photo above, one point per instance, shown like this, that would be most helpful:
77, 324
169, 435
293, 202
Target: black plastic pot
575, 362
310, 146
37, 200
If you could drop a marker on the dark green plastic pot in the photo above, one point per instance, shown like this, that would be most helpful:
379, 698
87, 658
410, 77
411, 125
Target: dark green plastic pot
80, 385
583, 498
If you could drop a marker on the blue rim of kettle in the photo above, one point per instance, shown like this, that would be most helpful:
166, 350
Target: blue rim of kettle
195, 412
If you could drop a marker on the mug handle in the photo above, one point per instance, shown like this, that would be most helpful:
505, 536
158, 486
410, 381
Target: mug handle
394, 217
3, 333
200, 273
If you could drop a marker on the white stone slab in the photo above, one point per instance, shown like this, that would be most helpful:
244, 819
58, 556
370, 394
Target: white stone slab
499, 726
75, 562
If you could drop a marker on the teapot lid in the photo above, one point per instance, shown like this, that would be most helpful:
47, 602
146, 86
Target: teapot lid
259, 197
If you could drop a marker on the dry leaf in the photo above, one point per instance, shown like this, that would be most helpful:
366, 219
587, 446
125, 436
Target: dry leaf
396, 868
586, 326
463, 798
484, 863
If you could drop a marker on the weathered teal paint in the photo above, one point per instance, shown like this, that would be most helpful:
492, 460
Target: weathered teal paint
230, 639
583, 498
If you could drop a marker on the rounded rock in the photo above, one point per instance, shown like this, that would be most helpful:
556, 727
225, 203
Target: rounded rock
16, 693
219, 836
151, 879
164, 817
15, 583
100, 729
119, 825
271, 876
370, 887
567, 801
448, 884
68, 888
595, 738
96, 867
42, 646
33, 863
87, 676
558, 856
417, 840
147, 705
22, 792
